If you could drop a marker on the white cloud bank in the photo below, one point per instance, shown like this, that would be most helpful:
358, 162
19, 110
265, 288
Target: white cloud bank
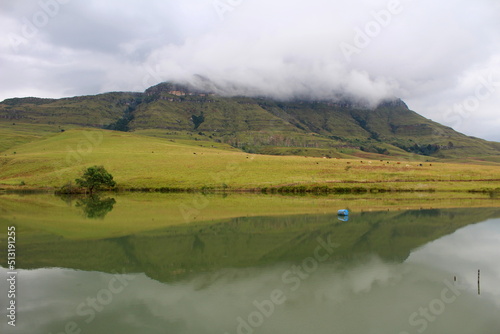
434, 55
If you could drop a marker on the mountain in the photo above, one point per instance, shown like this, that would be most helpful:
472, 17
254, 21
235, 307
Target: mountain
255, 124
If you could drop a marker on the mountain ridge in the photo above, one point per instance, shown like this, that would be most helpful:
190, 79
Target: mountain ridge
331, 128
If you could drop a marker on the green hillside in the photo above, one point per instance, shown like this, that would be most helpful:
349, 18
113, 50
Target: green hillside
254, 125
98, 110
138, 161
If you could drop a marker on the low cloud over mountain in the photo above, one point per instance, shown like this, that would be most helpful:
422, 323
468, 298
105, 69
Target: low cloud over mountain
441, 57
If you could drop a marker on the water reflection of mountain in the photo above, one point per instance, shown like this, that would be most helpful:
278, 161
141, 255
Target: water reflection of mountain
175, 252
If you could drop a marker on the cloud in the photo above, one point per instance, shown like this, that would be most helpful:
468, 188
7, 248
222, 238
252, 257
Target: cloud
449, 254
362, 296
428, 53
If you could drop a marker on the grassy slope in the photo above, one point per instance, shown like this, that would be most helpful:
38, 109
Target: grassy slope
93, 110
140, 161
14, 134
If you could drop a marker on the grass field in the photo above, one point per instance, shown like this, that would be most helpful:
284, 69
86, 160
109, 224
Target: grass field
16, 134
138, 161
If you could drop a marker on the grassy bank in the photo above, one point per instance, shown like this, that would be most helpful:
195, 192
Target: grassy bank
155, 164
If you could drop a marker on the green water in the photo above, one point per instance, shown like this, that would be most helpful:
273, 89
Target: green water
379, 272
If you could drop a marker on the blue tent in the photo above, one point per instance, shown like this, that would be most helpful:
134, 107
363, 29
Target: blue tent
343, 212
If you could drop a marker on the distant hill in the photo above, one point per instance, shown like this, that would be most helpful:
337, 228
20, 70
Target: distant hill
256, 125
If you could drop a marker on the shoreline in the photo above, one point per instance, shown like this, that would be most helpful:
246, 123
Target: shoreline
298, 189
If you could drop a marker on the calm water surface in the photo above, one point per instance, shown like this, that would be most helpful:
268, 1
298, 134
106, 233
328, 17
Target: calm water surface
381, 272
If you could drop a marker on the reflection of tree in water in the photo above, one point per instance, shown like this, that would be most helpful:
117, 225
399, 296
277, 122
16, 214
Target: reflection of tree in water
94, 207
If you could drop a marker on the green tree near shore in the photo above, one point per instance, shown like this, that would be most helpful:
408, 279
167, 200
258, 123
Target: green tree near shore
95, 178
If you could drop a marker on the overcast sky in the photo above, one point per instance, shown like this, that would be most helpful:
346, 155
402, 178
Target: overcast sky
442, 57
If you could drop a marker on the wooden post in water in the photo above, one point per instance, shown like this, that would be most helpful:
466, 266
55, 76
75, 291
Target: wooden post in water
478, 282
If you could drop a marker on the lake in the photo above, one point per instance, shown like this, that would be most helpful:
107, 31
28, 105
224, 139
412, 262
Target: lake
192, 263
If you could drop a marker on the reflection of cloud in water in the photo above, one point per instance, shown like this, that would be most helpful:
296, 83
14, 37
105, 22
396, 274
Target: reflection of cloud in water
370, 296
464, 252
